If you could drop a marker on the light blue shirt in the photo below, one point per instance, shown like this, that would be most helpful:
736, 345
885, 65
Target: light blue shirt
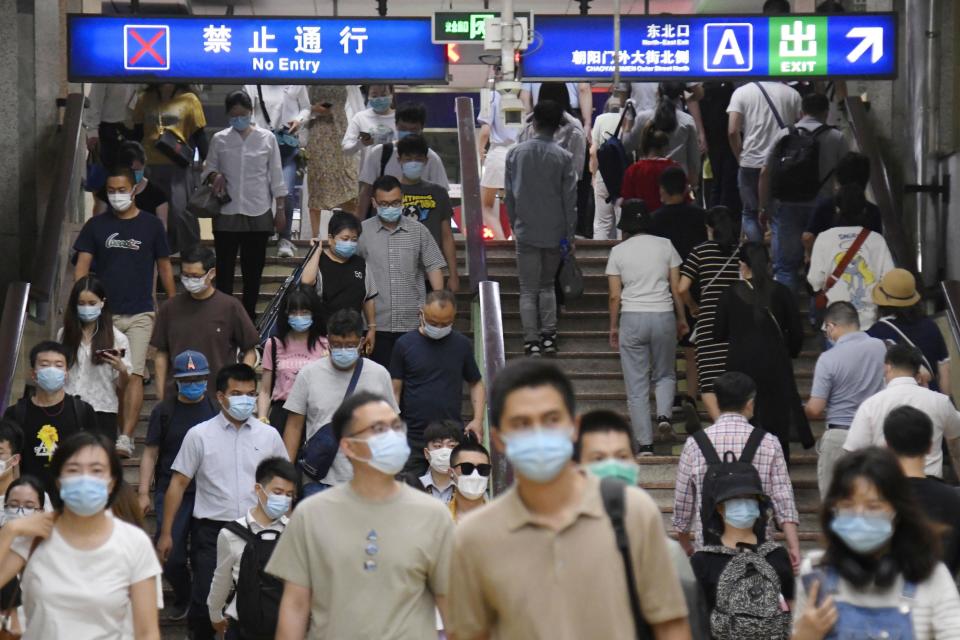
848, 374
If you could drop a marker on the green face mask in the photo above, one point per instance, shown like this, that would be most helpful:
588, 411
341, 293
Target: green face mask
612, 468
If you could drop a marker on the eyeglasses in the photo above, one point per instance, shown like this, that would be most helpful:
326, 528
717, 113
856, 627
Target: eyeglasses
382, 427
467, 468
21, 510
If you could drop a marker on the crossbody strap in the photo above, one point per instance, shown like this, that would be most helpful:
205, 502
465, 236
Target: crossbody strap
846, 260
626, 108
354, 379
719, 273
263, 107
613, 493
910, 342
776, 114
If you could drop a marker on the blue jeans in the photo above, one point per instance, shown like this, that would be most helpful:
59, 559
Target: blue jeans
789, 221
748, 179
293, 196
175, 568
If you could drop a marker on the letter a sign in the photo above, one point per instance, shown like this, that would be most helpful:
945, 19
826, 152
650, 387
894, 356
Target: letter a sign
729, 47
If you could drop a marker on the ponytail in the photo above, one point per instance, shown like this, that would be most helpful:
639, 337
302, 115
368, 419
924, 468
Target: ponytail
653, 140
665, 115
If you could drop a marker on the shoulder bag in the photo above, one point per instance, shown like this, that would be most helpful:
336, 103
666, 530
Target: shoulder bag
821, 301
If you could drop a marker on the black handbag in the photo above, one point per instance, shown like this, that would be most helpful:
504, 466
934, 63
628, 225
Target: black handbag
170, 145
320, 450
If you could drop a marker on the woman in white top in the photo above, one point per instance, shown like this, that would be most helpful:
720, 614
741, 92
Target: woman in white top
99, 359
374, 125
83, 570
244, 164
643, 274
880, 576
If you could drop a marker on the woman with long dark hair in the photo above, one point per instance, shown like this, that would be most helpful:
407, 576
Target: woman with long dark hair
759, 318
706, 273
642, 179
98, 357
880, 576
299, 341
681, 129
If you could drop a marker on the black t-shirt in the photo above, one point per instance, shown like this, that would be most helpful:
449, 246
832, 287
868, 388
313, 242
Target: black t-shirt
433, 372
941, 503
428, 204
169, 422
344, 284
148, 200
707, 567
682, 224
46, 428
125, 252
826, 210
713, 110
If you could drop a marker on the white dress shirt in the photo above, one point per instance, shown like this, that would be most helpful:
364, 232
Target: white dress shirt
223, 460
109, 103
284, 102
867, 427
251, 167
96, 382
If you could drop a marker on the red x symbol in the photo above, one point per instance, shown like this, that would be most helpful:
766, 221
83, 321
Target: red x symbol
147, 47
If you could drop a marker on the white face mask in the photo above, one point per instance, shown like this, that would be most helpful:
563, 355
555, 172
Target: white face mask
194, 285
472, 486
120, 201
440, 459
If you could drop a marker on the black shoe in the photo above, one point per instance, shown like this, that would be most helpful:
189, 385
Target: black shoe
532, 349
691, 419
664, 429
645, 450
548, 344
176, 613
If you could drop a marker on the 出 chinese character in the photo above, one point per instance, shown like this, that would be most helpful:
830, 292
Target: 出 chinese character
216, 39
357, 34
798, 42
579, 57
308, 40
261, 41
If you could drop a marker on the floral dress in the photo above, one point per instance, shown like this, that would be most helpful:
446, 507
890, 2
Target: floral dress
331, 176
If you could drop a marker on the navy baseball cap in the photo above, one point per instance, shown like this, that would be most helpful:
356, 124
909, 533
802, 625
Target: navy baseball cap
189, 364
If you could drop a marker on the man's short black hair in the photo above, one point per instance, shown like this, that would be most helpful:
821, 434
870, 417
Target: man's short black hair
443, 430
238, 97
386, 184
908, 432
776, 6
815, 104
673, 180
830, 6
843, 314
853, 168
903, 357
601, 421
199, 253
239, 372
467, 444
547, 115
131, 151
345, 322
851, 204
412, 145
276, 467
122, 171
12, 434
343, 416
342, 220
734, 390
412, 112
45, 346
524, 374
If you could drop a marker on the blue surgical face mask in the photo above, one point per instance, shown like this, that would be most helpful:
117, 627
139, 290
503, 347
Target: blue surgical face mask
862, 533
436, 333
241, 407
540, 453
344, 358
741, 513
240, 123
89, 313
138, 175
388, 452
412, 170
401, 134
380, 104
300, 323
192, 391
346, 249
276, 506
51, 379
84, 495
389, 214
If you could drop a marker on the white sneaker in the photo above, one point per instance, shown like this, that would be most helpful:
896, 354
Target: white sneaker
124, 446
286, 249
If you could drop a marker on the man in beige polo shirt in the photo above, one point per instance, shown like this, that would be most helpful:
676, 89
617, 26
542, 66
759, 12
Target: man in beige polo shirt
541, 560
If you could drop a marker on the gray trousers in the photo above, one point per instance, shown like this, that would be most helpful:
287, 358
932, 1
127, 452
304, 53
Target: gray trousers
536, 270
183, 228
648, 350
829, 451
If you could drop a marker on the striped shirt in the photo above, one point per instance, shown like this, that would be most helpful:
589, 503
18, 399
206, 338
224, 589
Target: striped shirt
702, 266
399, 260
730, 433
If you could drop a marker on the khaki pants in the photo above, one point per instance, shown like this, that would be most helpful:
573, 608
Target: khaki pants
138, 328
829, 450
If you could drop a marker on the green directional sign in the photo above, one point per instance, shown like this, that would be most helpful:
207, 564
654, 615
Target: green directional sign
798, 46
464, 26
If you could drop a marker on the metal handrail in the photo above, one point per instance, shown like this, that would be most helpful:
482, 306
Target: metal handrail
488, 325
951, 297
11, 336
471, 207
893, 230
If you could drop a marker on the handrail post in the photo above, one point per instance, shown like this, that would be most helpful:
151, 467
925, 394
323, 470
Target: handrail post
471, 208
11, 335
488, 327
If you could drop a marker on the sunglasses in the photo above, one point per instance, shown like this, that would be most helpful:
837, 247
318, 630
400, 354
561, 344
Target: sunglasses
466, 468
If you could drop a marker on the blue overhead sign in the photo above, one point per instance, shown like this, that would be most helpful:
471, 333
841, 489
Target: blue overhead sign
253, 49
861, 45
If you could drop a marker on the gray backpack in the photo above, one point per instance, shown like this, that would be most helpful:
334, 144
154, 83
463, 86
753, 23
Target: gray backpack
748, 597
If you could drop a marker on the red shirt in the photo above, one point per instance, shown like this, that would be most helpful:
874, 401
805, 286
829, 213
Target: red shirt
642, 180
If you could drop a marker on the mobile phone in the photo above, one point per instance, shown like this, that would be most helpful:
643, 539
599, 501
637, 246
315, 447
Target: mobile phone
365, 134
116, 353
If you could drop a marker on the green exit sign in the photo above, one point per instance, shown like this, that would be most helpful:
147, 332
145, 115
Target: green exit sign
464, 26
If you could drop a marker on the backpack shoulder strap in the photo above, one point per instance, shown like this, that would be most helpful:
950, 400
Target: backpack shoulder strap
776, 114
614, 492
753, 443
240, 531
628, 107
263, 106
706, 447
354, 379
385, 154
718, 549
846, 259
273, 357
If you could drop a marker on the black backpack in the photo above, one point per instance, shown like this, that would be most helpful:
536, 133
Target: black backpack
795, 173
257, 592
612, 159
726, 472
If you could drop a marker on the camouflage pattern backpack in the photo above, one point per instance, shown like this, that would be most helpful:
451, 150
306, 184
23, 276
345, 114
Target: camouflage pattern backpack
748, 597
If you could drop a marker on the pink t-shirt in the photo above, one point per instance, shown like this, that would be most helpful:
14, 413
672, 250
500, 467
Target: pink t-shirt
290, 360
